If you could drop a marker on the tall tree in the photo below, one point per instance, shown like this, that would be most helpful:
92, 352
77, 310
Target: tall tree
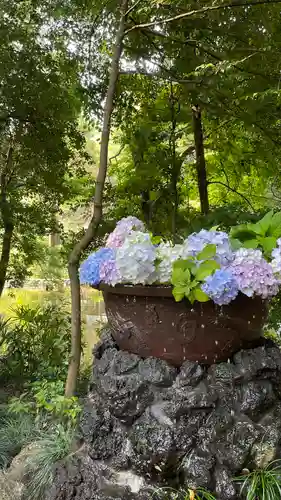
82, 245
39, 107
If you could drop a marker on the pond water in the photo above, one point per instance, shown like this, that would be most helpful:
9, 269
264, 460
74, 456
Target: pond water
93, 313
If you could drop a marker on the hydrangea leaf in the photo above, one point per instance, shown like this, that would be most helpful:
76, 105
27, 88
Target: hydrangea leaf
206, 269
243, 232
262, 226
275, 227
200, 295
177, 275
208, 252
191, 297
183, 263
254, 243
235, 243
268, 243
178, 294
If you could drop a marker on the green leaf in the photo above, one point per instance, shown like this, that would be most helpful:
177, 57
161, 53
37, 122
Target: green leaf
264, 224
178, 295
156, 240
214, 228
275, 227
200, 295
235, 243
193, 284
186, 276
181, 264
242, 232
207, 253
177, 275
268, 243
251, 244
206, 269
191, 297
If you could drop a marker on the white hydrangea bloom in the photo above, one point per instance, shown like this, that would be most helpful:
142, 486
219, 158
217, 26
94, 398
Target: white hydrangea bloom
135, 259
167, 254
276, 259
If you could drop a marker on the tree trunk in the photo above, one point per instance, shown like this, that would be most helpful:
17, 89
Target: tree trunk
175, 165
200, 160
74, 259
5, 254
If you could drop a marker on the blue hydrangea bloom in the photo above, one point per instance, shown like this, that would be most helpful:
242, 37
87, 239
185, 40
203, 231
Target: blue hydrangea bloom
221, 287
197, 241
90, 268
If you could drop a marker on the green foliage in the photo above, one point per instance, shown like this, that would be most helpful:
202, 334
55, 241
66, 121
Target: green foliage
46, 400
187, 277
274, 313
262, 484
263, 234
36, 343
16, 431
51, 448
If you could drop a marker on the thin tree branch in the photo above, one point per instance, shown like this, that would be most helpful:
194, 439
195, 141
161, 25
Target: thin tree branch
233, 191
204, 10
133, 7
117, 154
91, 232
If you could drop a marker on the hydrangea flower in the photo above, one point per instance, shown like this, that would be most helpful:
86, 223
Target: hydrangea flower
108, 271
253, 274
90, 268
197, 241
167, 254
276, 259
135, 259
221, 287
123, 228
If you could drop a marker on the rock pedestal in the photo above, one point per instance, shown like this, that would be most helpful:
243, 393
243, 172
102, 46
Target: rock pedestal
147, 425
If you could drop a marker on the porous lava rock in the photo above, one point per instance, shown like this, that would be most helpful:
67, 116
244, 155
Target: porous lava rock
147, 425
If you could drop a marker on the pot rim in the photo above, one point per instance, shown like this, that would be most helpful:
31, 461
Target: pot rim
137, 290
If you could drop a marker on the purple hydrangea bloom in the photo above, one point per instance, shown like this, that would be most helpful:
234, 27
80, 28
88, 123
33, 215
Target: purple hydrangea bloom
221, 287
197, 241
276, 259
123, 228
90, 268
109, 273
253, 274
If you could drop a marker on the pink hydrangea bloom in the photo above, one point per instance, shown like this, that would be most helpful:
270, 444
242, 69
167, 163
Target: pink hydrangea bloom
123, 228
254, 275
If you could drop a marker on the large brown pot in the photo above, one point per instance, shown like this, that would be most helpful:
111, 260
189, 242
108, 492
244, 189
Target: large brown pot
147, 321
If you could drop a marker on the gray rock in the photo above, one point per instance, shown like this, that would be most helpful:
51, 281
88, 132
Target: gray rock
84, 479
196, 467
157, 372
144, 419
256, 397
93, 417
128, 396
224, 486
233, 448
190, 374
102, 365
106, 342
124, 362
187, 398
151, 441
108, 442
252, 362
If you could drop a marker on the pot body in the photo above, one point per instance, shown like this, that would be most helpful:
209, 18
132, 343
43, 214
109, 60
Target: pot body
146, 320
